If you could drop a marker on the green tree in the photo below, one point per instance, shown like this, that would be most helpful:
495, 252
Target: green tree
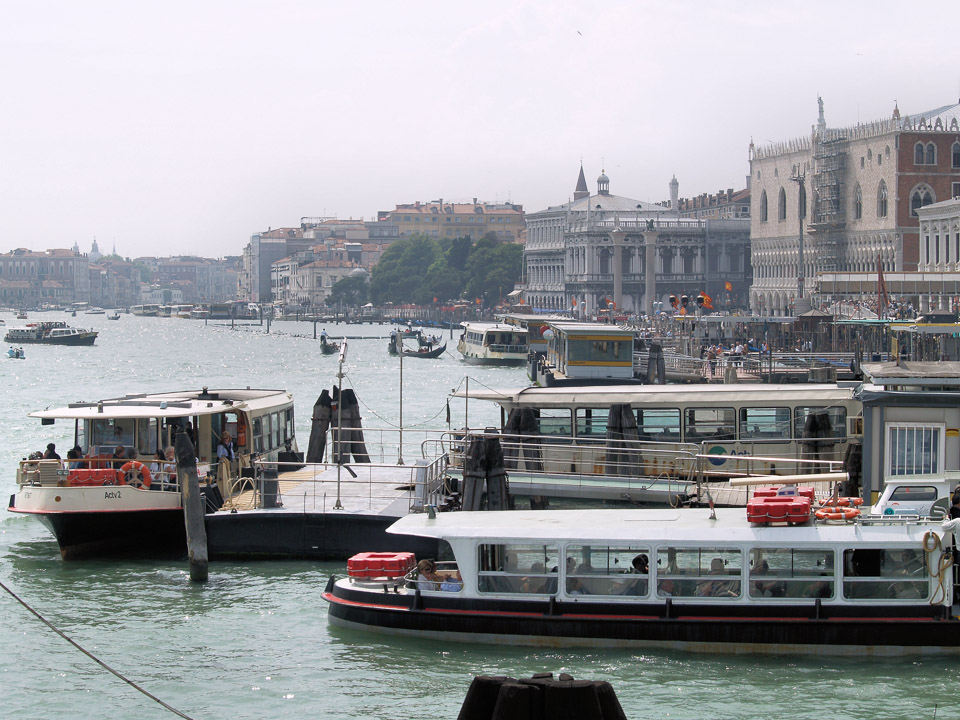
492, 271
441, 282
399, 274
351, 291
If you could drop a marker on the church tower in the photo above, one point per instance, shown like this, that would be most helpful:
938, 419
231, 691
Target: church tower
674, 194
94, 255
581, 191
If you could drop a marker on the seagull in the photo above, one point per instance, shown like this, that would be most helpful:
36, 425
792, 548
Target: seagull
579, 33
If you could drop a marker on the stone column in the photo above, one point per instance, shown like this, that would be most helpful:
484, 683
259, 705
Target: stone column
617, 236
650, 271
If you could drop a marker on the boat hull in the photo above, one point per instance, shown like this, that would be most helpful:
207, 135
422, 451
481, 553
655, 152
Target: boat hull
118, 534
888, 631
83, 339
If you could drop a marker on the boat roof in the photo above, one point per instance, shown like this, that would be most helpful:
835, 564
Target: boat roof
685, 526
563, 396
496, 327
586, 328
184, 403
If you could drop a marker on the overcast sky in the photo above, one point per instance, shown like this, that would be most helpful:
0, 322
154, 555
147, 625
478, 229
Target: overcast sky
184, 127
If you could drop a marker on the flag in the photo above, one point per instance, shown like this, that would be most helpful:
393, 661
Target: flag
434, 299
727, 286
573, 301
707, 301
521, 301
477, 300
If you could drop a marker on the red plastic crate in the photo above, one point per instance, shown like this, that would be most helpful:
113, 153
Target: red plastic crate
789, 509
380, 564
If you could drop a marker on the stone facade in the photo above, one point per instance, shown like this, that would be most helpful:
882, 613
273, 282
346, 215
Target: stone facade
571, 254
852, 195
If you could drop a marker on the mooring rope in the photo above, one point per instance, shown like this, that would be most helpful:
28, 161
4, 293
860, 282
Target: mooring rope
92, 656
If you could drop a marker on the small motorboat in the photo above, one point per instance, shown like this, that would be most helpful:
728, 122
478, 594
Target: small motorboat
426, 352
115, 316
16, 354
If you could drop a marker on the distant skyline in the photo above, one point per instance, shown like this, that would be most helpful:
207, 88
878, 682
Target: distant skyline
174, 127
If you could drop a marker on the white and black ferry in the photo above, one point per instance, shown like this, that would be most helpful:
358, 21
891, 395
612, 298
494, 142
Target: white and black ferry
685, 579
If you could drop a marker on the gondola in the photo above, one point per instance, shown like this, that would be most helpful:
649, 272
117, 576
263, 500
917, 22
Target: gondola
424, 353
328, 348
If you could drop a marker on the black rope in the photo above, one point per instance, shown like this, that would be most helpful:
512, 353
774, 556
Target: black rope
91, 656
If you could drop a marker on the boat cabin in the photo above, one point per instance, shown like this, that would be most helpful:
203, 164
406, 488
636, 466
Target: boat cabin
589, 351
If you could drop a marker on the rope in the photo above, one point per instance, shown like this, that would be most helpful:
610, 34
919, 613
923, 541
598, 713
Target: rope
383, 419
944, 562
92, 656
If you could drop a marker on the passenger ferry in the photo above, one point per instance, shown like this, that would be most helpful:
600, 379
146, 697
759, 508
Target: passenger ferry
145, 310
688, 579
673, 424
50, 333
493, 344
118, 499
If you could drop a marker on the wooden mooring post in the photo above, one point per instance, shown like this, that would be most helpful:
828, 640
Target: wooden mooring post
193, 511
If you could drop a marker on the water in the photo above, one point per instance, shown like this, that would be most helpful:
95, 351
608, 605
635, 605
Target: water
254, 641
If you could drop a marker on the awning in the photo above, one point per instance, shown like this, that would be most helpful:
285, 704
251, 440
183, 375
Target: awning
515, 293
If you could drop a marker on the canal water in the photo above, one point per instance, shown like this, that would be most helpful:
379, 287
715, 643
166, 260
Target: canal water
254, 642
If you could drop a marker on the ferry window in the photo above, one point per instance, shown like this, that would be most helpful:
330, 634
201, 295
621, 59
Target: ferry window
275, 419
600, 351
789, 573
289, 430
107, 434
147, 436
885, 573
659, 424
258, 435
603, 570
907, 493
764, 423
518, 568
698, 572
837, 415
555, 422
592, 423
914, 449
711, 424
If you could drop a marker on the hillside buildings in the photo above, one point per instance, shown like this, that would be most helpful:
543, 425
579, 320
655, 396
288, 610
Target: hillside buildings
831, 211
602, 248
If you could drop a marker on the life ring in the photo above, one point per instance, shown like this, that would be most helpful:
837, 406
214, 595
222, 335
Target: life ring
836, 513
135, 474
842, 502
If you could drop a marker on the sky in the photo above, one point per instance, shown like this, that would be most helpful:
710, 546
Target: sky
183, 127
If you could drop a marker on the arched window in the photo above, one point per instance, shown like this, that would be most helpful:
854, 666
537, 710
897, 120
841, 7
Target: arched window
605, 262
918, 154
931, 156
763, 206
858, 203
921, 196
782, 205
882, 200
802, 203
956, 155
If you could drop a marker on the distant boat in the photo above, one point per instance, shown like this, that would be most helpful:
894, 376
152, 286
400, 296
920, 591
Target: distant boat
425, 353
16, 354
50, 333
115, 316
22, 315
327, 347
96, 311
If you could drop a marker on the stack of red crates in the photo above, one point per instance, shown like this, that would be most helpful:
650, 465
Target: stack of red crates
389, 565
789, 504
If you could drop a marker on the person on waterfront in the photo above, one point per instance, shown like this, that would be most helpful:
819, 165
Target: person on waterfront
169, 467
712, 359
955, 506
51, 453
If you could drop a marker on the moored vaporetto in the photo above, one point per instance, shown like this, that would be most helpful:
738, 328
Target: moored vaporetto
687, 579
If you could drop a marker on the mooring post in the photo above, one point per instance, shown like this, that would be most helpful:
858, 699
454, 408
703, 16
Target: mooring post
193, 514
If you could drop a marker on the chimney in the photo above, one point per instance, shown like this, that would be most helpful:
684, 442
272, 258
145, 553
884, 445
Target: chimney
474, 201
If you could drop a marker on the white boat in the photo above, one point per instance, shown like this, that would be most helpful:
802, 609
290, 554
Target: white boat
118, 499
493, 344
686, 579
50, 333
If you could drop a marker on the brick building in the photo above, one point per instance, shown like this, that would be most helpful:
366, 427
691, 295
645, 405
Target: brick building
439, 219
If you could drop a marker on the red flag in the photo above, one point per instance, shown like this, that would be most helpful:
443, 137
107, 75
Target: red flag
727, 286
434, 299
477, 300
573, 301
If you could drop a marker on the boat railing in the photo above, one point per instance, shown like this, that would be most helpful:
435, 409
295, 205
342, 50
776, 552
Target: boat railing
508, 348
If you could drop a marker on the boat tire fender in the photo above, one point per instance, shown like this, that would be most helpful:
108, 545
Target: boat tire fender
135, 474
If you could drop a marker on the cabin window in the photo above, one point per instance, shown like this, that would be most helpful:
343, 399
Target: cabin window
913, 493
764, 423
837, 416
789, 573
592, 423
518, 568
709, 424
583, 351
289, 429
147, 436
275, 419
884, 574
914, 449
604, 570
107, 434
257, 434
698, 572
659, 424
555, 422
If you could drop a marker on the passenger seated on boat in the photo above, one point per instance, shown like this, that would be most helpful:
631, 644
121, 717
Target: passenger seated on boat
716, 588
74, 459
119, 457
639, 566
427, 577
766, 588
535, 584
452, 582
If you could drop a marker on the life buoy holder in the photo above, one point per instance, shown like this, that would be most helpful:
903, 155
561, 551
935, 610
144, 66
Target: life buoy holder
841, 502
135, 474
836, 513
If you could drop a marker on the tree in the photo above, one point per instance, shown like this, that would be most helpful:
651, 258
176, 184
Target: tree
400, 272
351, 291
493, 271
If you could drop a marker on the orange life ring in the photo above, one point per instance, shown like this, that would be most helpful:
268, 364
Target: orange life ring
836, 513
841, 502
135, 474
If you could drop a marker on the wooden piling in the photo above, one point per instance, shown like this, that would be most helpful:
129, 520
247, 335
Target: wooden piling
193, 513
